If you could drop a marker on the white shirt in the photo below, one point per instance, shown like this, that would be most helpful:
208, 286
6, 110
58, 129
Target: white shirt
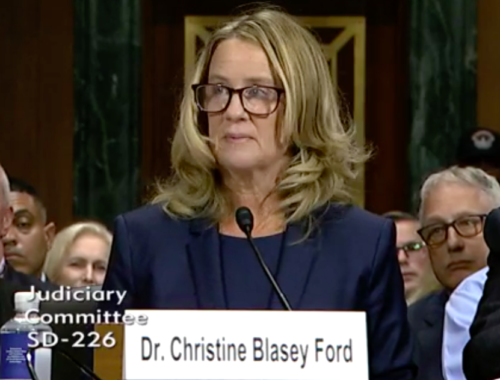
2, 266
459, 314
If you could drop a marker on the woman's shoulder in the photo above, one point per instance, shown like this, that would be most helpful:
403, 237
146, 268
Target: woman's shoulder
351, 216
358, 231
149, 218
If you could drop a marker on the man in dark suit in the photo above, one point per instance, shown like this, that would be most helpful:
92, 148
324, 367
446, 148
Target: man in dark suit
30, 234
454, 203
11, 281
7, 289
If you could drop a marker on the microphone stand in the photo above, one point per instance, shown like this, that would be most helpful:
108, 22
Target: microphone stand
271, 278
244, 219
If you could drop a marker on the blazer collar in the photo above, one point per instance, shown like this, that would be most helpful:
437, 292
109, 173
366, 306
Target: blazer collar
296, 263
205, 262
434, 315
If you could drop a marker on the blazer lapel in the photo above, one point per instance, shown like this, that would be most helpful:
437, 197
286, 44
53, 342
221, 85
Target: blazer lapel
432, 336
296, 262
204, 259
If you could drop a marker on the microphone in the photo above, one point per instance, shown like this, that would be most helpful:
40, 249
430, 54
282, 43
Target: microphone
244, 218
492, 231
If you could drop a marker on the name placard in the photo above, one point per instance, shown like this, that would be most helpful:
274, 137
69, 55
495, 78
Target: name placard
246, 345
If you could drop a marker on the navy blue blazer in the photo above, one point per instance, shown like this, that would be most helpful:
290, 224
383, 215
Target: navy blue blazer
350, 263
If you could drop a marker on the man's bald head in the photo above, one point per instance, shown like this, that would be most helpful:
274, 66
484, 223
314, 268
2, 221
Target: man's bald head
5, 209
4, 188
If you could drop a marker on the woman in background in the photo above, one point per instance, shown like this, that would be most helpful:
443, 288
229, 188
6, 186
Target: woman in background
79, 255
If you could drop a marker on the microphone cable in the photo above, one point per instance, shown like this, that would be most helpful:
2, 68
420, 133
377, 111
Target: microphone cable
244, 218
82, 367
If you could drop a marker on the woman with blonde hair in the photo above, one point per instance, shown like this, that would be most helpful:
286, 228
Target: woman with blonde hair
79, 255
260, 151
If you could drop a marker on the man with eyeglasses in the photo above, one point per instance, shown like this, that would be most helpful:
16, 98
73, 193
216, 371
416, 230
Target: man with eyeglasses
413, 258
454, 204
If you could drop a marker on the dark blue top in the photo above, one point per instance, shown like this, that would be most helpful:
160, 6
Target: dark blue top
242, 273
348, 263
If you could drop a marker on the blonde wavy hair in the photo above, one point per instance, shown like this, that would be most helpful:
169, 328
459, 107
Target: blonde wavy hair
325, 159
65, 238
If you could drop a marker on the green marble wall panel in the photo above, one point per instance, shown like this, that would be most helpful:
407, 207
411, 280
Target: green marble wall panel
442, 83
107, 76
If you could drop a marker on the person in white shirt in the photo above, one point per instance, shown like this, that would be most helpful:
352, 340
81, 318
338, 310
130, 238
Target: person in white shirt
459, 314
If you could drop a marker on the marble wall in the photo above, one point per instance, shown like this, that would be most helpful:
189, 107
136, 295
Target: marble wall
442, 83
107, 107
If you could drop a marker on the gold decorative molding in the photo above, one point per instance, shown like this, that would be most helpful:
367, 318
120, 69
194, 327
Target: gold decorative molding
198, 28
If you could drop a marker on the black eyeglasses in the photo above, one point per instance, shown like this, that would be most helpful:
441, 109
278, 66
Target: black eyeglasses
256, 100
466, 226
411, 247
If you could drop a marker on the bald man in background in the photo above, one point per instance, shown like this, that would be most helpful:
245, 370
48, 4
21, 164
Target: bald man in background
6, 215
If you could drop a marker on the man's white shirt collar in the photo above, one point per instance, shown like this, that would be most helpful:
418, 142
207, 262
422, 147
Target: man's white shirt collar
459, 314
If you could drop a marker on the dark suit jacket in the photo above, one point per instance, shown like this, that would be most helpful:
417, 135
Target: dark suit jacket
481, 357
25, 280
7, 291
12, 282
350, 264
426, 318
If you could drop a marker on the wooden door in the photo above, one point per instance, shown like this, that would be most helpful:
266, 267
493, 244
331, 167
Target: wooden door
36, 99
366, 49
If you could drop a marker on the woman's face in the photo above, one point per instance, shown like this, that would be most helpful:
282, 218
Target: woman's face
243, 141
85, 262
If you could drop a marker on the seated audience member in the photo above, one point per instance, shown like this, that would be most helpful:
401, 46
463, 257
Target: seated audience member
418, 277
30, 235
480, 148
454, 204
260, 128
6, 214
11, 280
459, 314
79, 255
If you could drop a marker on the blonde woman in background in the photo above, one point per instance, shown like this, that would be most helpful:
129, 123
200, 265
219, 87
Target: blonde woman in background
413, 257
79, 255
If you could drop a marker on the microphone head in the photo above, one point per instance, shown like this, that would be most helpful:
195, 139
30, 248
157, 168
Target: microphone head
491, 231
244, 218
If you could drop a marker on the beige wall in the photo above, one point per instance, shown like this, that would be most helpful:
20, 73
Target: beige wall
488, 74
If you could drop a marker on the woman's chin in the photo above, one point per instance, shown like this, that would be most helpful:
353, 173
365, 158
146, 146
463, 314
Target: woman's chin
239, 162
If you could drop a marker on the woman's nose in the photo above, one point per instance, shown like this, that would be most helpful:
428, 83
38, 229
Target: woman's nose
89, 274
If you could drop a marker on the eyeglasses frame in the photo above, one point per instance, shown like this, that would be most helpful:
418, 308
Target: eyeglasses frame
238, 91
453, 225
